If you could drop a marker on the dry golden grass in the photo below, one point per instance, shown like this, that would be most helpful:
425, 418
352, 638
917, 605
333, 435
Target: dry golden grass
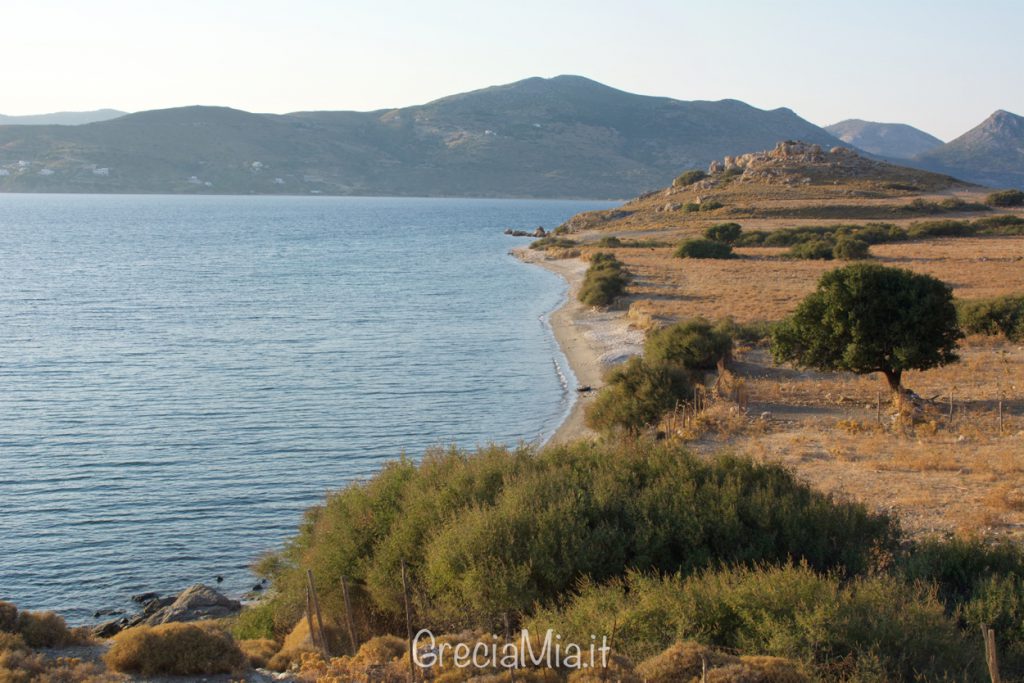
259, 651
175, 649
763, 286
40, 629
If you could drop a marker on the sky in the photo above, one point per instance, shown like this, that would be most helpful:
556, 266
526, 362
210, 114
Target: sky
940, 65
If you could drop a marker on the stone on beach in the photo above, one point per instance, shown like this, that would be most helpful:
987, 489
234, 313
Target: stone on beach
195, 603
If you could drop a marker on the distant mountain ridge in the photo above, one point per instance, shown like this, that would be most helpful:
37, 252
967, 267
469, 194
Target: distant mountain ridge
991, 153
887, 140
566, 136
61, 118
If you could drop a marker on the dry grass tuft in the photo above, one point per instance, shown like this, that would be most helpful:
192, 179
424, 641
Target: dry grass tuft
258, 651
24, 666
175, 649
40, 629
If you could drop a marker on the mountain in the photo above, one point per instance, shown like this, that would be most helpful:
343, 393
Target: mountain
991, 153
560, 137
887, 140
61, 118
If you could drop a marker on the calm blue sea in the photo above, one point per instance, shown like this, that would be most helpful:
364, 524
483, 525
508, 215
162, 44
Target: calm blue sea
181, 376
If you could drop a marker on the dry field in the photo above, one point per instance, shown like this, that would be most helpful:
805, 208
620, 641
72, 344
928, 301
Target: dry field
764, 286
944, 475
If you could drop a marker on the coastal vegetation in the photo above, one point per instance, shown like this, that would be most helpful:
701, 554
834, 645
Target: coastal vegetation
999, 315
723, 232
605, 280
702, 248
1005, 198
638, 393
180, 649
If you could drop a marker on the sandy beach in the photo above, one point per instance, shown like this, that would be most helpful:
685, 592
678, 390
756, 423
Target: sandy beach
591, 339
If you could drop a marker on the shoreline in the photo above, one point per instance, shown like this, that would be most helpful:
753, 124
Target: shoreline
591, 340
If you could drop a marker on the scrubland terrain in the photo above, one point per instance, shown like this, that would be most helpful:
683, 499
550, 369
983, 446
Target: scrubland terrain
943, 475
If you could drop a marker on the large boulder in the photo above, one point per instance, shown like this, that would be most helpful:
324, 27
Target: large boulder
195, 603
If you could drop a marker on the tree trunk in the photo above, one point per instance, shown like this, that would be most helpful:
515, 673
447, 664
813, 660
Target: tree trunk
894, 377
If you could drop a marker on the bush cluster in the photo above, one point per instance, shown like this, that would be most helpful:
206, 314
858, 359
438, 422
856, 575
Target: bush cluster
638, 393
1005, 198
724, 232
605, 280
688, 178
1000, 315
874, 628
39, 629
553, 242
883, 233
504, 529
704, 248
819, 249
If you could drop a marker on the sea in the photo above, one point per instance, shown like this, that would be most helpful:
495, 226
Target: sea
182, 376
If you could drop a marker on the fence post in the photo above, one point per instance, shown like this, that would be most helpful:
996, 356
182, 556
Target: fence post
348, 615
309, 620
408, 622
316, 611
989, 636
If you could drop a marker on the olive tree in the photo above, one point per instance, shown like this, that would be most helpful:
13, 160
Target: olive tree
867, 318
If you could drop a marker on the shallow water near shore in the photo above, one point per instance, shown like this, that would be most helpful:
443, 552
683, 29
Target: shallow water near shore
180, 377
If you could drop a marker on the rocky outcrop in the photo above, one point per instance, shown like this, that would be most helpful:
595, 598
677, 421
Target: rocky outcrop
793, 162
195, 603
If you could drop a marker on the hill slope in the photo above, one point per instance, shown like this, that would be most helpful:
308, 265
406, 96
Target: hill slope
559, 137
991, 153
888, 140
61, 118
795, 181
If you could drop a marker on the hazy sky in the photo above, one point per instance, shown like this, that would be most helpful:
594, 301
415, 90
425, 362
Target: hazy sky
940, 65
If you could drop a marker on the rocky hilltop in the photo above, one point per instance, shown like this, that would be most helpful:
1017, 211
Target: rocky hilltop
794, 179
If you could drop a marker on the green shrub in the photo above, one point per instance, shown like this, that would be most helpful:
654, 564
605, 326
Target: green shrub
637, 394
925, 229
704, 248
753, 238
754, 332
694, 345
609, 242
1005, 198
256, 622
553, 242
1005, 224
998, 602
877, 233
818, 249
851, 249
957, 566
838, 629
605, 280
724, 232
1000, 315
690, 207
500, 529
174, 649
710, 205
688, 178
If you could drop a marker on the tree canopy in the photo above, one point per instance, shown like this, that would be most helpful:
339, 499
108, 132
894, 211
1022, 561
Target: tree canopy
868, 318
